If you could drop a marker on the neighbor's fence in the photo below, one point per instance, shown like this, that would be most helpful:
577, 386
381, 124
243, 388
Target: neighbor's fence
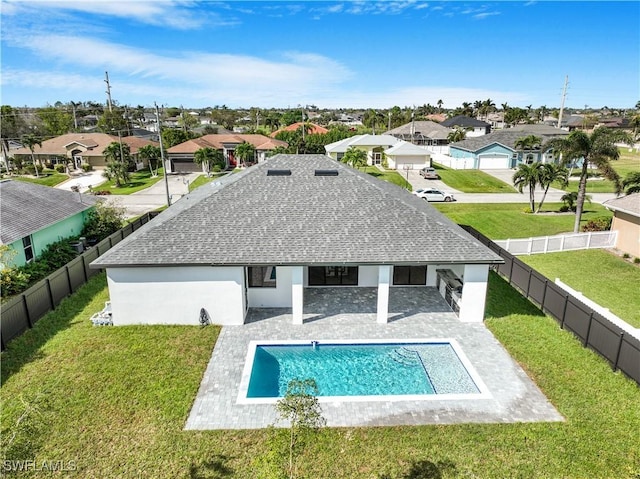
24, 310
565, 242
620, 348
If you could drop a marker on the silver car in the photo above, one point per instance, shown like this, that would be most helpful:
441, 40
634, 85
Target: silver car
431, 194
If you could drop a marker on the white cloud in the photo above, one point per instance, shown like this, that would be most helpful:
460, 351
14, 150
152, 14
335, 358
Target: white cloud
483, 15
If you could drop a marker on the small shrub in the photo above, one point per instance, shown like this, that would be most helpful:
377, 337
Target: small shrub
30, 169
597, 224
527, 211
626, 256
216, 169
101, 192
13, 281
636, 260
103, 221
86, 167
48, 165
564, 209
60, 168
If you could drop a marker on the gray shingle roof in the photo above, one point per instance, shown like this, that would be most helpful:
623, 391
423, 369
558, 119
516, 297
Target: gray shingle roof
507, 138
253, 218
464, 122
629, 204
430, 129
26, 208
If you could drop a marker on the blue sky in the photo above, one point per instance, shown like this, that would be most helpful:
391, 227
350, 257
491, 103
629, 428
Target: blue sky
350, 54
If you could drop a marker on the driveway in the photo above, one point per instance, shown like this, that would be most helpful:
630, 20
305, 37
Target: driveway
83, 180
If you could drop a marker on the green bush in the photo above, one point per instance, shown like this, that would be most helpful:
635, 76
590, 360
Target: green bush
30, 169
86, 167
103, 221
597, 224
636, 260
13, 281
60, 168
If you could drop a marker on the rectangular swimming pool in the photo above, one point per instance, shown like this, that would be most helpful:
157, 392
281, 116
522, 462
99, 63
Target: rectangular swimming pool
360, 370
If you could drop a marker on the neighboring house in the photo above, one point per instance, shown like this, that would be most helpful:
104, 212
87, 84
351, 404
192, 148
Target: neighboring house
407, 156
424, 133
626, 221
261, 237
180, 157
374, 145
497, 149
34, 216
472, 126
82, 148
312, 129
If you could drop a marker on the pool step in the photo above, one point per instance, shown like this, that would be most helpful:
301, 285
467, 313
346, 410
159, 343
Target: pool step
405, 356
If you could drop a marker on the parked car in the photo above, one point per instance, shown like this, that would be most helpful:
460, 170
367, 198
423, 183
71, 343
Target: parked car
430, 194
429, 173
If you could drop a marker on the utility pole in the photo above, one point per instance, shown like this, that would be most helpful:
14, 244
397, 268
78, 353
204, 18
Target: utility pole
109, 104
564, 96
164, 166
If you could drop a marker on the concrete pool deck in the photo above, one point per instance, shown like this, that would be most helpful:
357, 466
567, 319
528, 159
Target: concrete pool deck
415, 313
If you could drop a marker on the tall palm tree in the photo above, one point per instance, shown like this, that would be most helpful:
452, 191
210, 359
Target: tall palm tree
527, 175
549, 173
440, 103
355, 157
206, 158
246, 152
30, 141
597, 148
150, 153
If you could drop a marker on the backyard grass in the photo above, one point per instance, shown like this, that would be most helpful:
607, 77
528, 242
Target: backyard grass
599, 275
388, 175
508, 220
138, 180
628, 162
115, 401
46, 179
472, 181
199, 181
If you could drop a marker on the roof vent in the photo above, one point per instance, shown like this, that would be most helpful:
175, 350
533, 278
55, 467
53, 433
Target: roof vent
278, 172
326, 173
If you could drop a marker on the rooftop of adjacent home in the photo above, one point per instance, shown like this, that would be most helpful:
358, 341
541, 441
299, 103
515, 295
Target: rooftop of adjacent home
294, 210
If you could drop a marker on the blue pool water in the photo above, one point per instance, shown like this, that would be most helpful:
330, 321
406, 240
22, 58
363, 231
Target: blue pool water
360, 369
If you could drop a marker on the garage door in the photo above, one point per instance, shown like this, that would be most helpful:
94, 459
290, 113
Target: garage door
492, 162
185, 165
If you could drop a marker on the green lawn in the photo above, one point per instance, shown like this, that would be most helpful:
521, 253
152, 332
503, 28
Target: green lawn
388, 175
472, 181
600, 276
199, 181
628, 162
46, 179
115, 401
593, 186
137, 181
508, 220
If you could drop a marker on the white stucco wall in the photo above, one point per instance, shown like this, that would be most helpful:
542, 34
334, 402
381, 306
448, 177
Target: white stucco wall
278, 297
175, 295
415, 162
474, 293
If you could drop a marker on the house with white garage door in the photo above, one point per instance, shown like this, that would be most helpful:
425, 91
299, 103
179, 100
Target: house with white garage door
262, 237
497, 150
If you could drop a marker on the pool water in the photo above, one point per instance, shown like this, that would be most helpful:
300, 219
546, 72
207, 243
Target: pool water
360, 369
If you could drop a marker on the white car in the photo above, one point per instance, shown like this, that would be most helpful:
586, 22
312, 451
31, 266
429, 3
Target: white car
430, 194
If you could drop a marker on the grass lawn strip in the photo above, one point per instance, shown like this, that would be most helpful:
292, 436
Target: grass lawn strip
388, 175
601, 276
46, 179
472, 181
115, 399
508, 220
138, 180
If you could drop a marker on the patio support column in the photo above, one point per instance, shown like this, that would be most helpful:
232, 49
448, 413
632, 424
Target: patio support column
474, 293
384, 276
297, 294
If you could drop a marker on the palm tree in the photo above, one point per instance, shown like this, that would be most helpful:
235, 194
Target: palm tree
440, 103
207, 158
30, 141
549, 173
149, 153
598, 148
527, 175
458, 134
631, 183
528, 143
355, 157
118, 156
246, 152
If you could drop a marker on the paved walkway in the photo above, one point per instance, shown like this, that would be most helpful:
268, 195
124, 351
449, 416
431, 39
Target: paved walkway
415, 313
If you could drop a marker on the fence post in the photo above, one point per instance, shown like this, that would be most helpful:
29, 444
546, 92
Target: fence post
53, 304
529, 282
586, 339
26, 309
544, 293
68, 279
564, 311
84, 269
110, 243
511, 269
615, 365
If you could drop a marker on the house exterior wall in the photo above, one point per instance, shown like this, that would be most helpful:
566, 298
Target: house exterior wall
628, 228
474, 293
71, 226
175, 295
278, 297
415, 162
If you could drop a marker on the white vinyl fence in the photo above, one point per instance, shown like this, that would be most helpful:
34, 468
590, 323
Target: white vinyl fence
565, 242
